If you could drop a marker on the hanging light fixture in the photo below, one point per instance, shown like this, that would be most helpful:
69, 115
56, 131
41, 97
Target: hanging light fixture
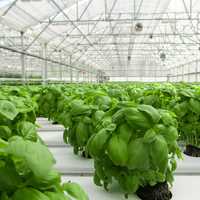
151, 36
138, 27
163, 56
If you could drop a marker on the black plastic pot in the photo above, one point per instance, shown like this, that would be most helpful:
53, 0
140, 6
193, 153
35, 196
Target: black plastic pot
55, 122
192, 151
158, 192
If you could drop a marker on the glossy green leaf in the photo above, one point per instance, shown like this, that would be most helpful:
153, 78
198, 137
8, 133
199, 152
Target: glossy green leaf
8, 110
138, 155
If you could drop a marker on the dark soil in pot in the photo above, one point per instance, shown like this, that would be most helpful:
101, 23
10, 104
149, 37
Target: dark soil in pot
192, 151
54, 122
157, 192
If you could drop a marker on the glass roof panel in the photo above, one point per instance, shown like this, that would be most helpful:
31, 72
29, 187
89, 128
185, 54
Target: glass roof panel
106, 33
4, 3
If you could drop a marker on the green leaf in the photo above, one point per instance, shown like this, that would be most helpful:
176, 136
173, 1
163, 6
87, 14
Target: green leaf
117, 151
74, 190
159, 153
9, 180
37, 156
129, 183
4, 196
82, 133
98, 115
136, 118
194, 106
79, 109
118, 117
151, 111
65, 119
5, 132
56, 196
97, 180
125, 132
66, 135
181, 108
170, 133
46, 183
167, 118
27, 130
149, 136
3, 143
8, 110
100, 169
22, 105
104, 102
29, 194
173, 164
138, 155
97, 143
150, 100
187, 93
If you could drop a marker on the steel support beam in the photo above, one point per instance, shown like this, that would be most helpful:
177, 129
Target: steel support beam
141, 43
105, 8
144, 49
91, 32
40, 33
9, 8
112, 8
86, 8
78, 29
137, 76
77, 9
122, 20
155, 35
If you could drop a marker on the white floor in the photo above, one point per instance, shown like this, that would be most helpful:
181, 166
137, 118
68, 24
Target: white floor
187, 176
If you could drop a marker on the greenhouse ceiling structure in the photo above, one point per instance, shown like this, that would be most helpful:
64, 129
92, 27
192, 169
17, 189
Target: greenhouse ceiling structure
97, 40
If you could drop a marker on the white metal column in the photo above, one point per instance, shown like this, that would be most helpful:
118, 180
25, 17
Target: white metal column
90, 75
188, 73
23, 58
82, 73
182, 72
60, 66
77, 76
45, 75
71, 72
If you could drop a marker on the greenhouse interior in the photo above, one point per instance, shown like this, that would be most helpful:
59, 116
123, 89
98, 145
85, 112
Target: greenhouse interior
99, 99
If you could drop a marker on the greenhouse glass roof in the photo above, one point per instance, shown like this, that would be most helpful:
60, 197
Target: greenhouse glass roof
111, 35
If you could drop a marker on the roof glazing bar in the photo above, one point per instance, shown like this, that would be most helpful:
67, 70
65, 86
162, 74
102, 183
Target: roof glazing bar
86, 38
9, 8
40, 33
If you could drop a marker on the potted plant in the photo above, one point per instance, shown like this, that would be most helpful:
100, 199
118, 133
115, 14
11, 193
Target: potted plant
187, 109
138, 149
